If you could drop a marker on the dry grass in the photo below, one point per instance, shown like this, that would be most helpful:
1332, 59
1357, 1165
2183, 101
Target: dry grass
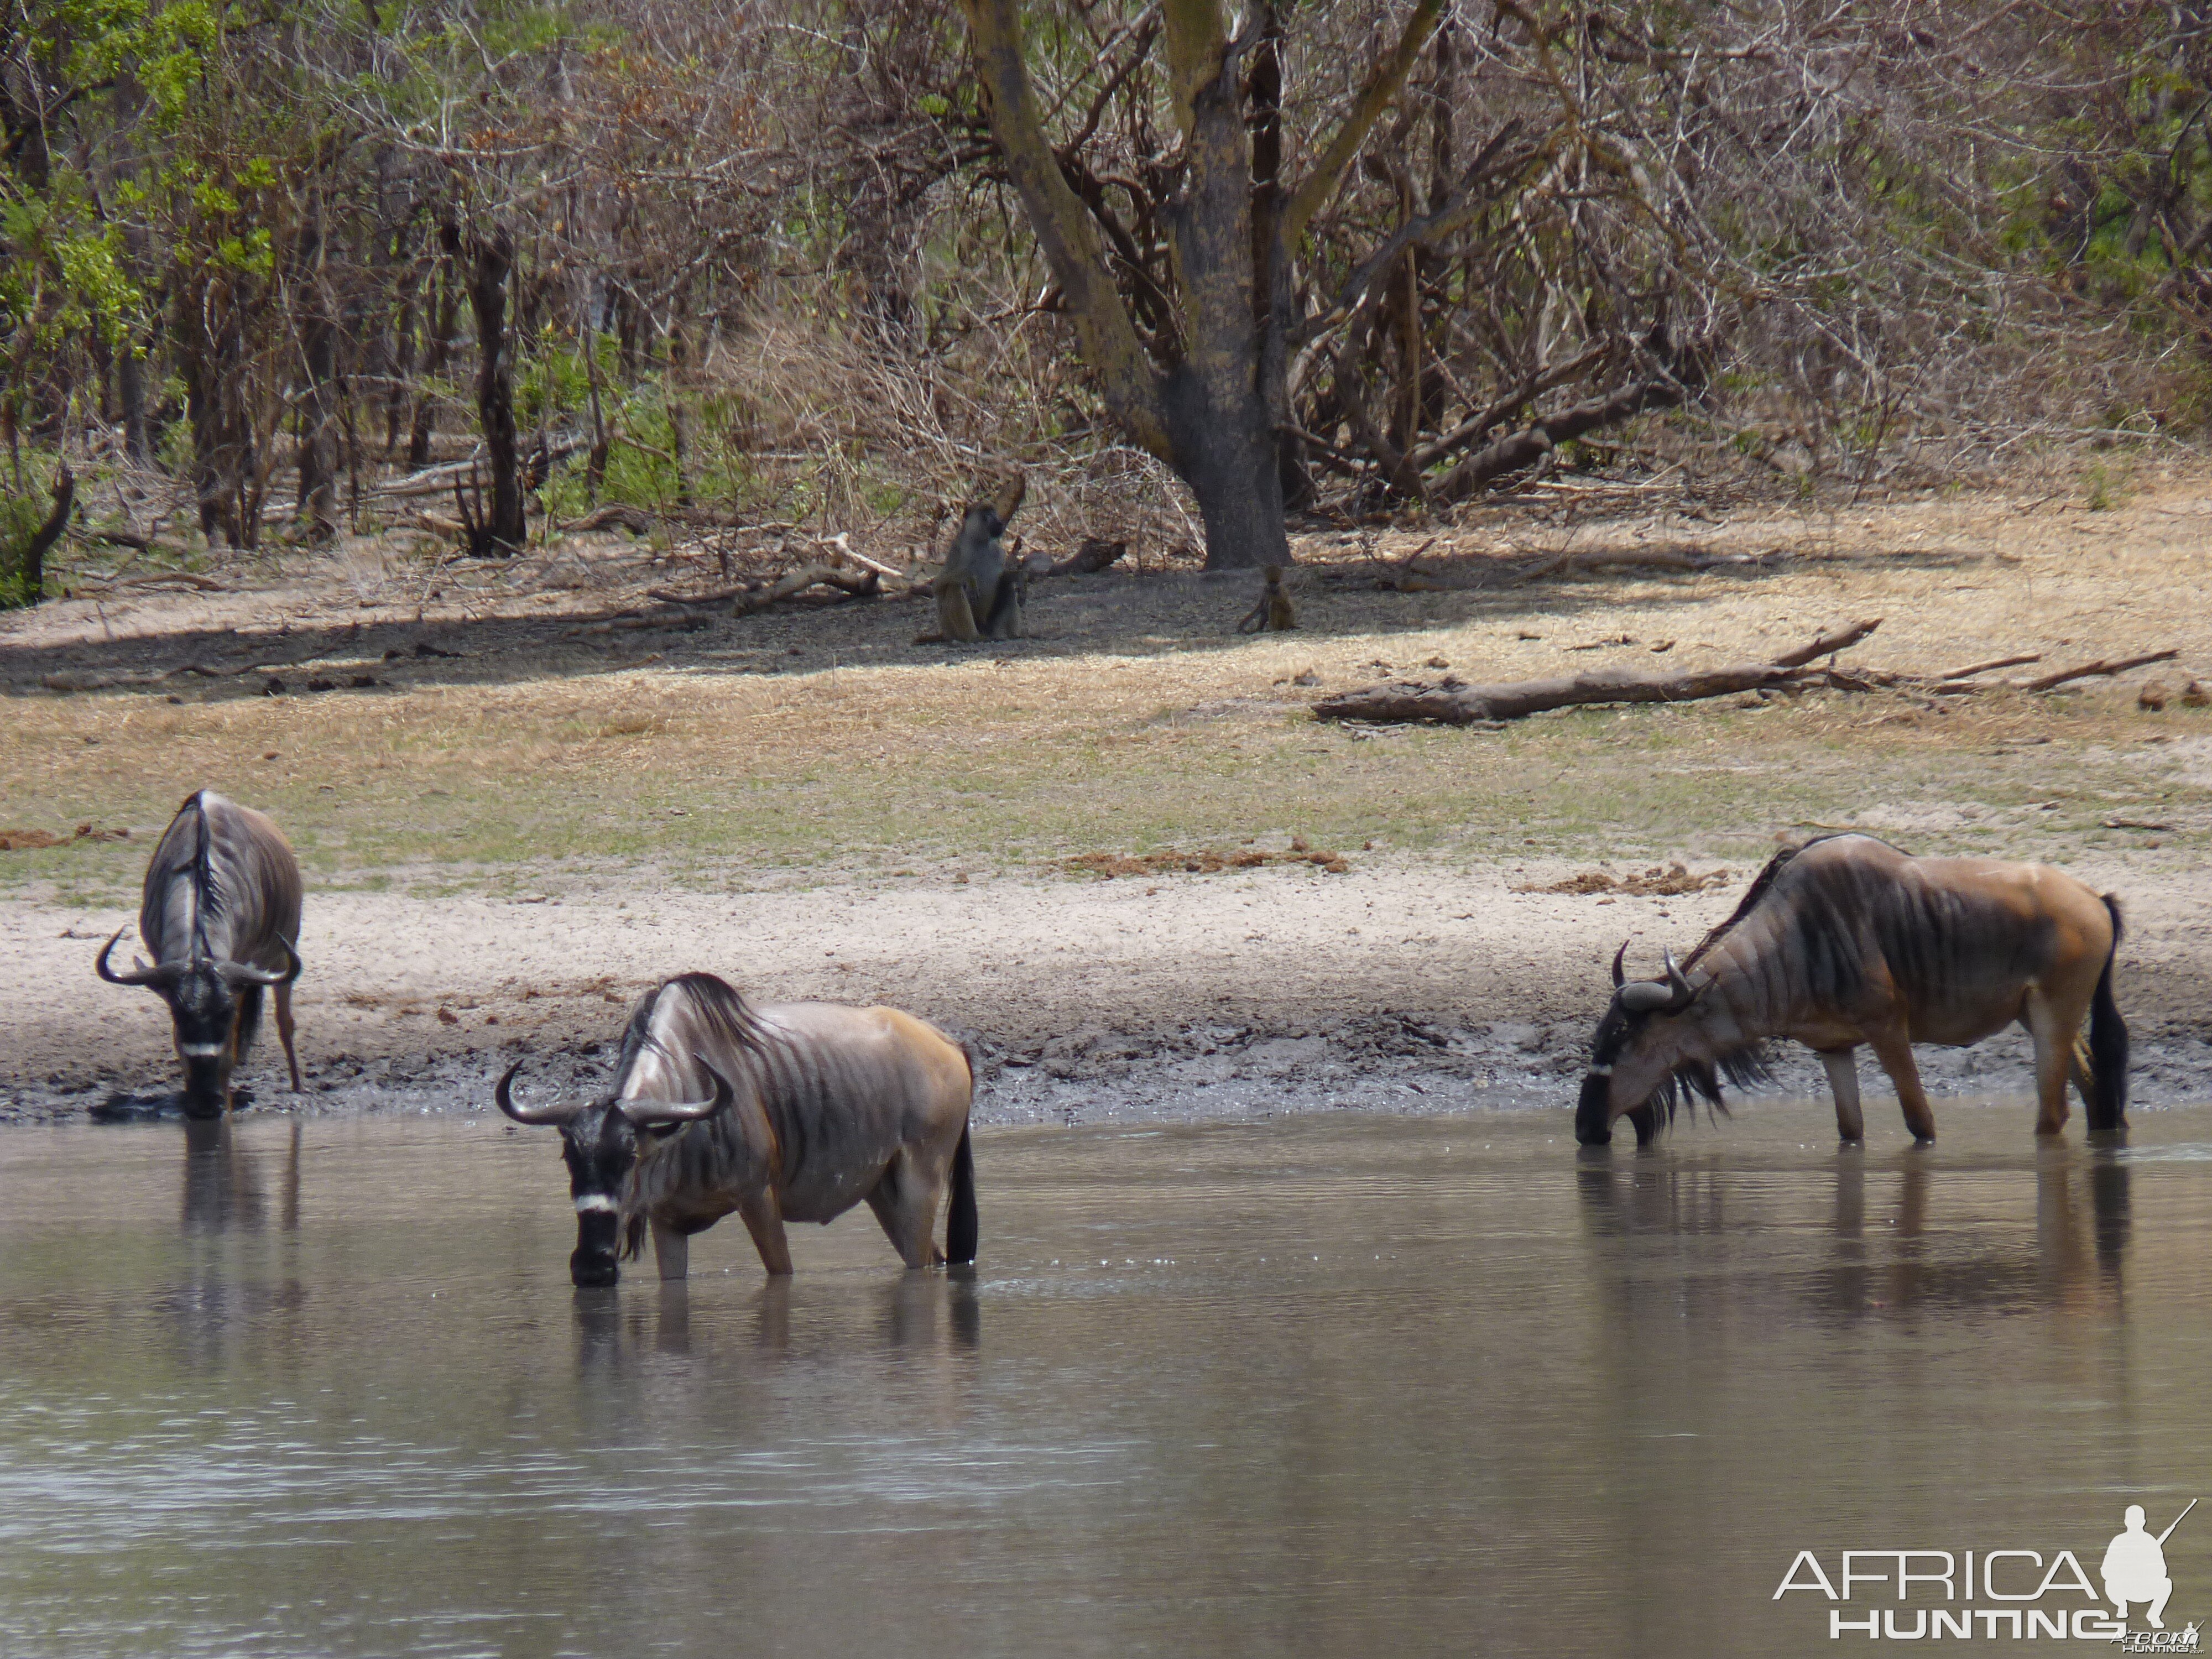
810, 743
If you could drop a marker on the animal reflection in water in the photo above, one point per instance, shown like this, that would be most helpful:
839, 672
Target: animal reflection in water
912, 1315
1846, 940
221, 912
784, 1112
1902, 1237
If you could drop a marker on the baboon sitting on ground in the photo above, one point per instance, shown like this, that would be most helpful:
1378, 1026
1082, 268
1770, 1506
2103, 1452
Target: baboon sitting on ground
1273, 614
980, 597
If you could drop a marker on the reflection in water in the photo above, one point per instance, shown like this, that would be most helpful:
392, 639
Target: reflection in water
1333, 1386
1886, 1257
222, 1180
224, 1222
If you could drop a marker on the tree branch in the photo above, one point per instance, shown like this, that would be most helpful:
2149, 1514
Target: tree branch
1374, 98
1126, 380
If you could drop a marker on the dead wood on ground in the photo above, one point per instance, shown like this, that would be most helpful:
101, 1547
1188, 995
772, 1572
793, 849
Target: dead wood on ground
1453, 702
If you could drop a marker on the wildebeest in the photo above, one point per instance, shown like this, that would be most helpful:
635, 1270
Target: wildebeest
1846, 940
221, 913
791, 1111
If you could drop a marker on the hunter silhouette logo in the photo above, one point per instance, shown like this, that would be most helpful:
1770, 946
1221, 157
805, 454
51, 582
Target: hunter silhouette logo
2135, 1567
1999, 1593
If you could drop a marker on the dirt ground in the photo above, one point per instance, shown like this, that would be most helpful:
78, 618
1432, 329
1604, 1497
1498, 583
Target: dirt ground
523, 792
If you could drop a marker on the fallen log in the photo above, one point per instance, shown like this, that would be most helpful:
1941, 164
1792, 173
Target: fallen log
614, 515
2121, 666
1454, 703
866, 584
1973, 669
1088, 560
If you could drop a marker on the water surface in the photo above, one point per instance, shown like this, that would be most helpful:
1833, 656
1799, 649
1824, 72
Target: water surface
1331, 1386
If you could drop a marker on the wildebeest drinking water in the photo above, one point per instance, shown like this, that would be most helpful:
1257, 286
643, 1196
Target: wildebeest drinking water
221, 913
1847, 940
782, 1112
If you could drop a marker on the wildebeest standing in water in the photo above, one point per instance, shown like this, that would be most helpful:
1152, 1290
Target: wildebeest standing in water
221, 913
1846, 940
784, 1112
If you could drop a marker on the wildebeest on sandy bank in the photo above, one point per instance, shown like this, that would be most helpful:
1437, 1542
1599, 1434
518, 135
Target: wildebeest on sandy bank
781, 1112
221, 913
1847, 940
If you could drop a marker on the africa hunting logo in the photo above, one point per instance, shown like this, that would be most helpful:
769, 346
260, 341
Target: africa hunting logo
2016, 1582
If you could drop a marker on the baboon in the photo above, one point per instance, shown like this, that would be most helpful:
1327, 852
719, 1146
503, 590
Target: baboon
977, 581
1273, 614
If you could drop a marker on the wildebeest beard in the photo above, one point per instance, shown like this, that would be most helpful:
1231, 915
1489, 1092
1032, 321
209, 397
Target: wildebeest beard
1683, 1085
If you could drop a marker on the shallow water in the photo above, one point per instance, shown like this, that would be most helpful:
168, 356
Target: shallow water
1331, 1386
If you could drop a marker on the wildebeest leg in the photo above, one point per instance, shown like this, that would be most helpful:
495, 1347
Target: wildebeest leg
284, 1032
1843, 1085
763, 1218
671, 1250
2083, 1072
906, 1207
1894, 1050
2054, 1058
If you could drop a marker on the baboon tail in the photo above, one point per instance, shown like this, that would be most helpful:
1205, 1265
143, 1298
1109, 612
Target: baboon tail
962, 1225
2108, 1043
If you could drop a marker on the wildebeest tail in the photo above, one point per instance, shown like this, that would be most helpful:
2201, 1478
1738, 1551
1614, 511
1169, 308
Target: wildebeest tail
962, 1225
249, 1019
2108, 1043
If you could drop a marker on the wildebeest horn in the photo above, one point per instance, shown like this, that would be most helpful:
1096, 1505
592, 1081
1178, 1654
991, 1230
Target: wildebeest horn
238, 973
140, 974
1684, 996
647, 1112
559, 1111
1644, 995
1618, 957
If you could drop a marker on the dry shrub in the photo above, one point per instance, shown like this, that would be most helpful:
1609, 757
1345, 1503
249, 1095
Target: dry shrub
23, 840
840, 433
1654, 883
1208, 862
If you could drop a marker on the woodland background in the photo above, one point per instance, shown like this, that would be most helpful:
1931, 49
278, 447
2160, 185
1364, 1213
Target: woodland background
266, 267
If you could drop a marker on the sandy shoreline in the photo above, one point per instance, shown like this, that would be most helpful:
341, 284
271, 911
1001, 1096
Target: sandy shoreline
1404, 986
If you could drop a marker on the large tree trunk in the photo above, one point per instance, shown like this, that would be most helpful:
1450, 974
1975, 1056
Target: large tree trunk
1227, 456
491, 266
1221, 435
211, 341
1207, 396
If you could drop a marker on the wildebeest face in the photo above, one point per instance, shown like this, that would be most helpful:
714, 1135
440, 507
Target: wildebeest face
600, 1146
1626, 1068
599, 1142
203, 1019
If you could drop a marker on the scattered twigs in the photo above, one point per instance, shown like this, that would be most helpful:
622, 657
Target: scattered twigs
1689, 558
1454, 703
2087, 669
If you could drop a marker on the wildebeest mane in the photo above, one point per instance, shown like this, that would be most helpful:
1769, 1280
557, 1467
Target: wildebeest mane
207, 890
1763, 883
722, 1009
725, 1017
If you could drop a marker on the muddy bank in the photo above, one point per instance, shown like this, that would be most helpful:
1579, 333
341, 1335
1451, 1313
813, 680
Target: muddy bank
1403, 984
